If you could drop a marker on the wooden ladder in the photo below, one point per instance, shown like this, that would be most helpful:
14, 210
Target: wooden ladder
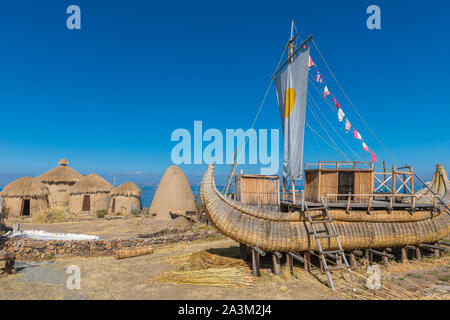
328, 235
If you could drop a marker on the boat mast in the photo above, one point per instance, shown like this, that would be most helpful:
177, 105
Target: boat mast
291, 43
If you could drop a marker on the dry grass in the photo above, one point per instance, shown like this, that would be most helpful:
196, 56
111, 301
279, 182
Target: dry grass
233, 277
390, 290
204, 268
203, 260
51, 215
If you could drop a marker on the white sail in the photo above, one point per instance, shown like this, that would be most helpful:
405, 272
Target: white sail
291, 86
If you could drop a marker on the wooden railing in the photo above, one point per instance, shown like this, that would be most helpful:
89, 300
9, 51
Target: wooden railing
391, 197
394, 182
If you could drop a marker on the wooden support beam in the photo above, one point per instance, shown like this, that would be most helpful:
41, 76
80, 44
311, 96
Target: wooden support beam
385, 258
404, 254
353, 263
296, 257
255, 263
293, 191
289, 263
435, 247
445, 243
369, 206
418, 254
284, 189
259, 251
383, 254
307, 257
243, 251
349, 200
276, 264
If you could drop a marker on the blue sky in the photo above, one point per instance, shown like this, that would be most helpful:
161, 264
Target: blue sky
107, 97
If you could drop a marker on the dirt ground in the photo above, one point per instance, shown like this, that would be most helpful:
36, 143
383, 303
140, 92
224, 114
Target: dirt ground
107, 278
107, 229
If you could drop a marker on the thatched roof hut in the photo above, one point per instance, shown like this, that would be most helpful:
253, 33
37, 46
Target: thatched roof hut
59, 180
125, 198
91, 184
90, 194
61, 175
127, 189
173, 194
24, 196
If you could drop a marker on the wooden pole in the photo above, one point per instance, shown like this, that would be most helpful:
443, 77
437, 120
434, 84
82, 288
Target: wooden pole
353, 263
404, 254
307, 264
293, 190
289, 263
255, 263
418, 254
276, 263
284, 189
243, 251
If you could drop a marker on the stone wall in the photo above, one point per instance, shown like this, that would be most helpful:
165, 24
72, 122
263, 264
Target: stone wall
31, 249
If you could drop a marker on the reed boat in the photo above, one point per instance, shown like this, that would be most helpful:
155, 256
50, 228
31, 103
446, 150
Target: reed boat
383, 224
345, 205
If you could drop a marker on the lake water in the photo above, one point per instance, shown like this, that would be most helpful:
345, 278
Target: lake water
148, 193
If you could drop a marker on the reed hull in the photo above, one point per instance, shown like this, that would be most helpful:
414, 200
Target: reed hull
290, 231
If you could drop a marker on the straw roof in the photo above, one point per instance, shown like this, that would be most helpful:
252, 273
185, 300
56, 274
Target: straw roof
61, 174
128, 189
92, 183
26, 187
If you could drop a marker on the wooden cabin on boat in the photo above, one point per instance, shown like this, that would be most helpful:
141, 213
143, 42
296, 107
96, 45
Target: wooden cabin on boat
334, 179
258, 190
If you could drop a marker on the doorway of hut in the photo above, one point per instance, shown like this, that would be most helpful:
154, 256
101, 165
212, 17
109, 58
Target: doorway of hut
113, 206
26, 207
86, 203
345, 184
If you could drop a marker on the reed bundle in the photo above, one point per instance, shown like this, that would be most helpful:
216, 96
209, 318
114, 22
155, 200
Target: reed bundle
203, 260
233, 277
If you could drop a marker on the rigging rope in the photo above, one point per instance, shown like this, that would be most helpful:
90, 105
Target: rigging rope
331, 125
354, 108
254, 121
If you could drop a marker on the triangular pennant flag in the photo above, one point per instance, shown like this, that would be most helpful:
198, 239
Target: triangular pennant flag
374, 158
311, 63
365, 147
347, 126
357, 135
341, 115
326, 92
319, 77
336, 103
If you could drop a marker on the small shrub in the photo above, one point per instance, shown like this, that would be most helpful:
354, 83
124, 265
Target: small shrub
136, 212
102, 213
145, 211
48, 256
51, 215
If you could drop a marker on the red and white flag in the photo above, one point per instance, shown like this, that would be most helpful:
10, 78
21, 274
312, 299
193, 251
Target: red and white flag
341, 113
374, 158
311, 63
347, 126
326, 92
319, 77
365, 147
357, 135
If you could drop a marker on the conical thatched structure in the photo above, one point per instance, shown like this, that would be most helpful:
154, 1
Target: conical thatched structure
124, 199
24, 197
59, 180
173, 194
90, 194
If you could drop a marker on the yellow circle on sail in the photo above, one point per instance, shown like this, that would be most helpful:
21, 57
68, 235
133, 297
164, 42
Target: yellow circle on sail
290, 101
